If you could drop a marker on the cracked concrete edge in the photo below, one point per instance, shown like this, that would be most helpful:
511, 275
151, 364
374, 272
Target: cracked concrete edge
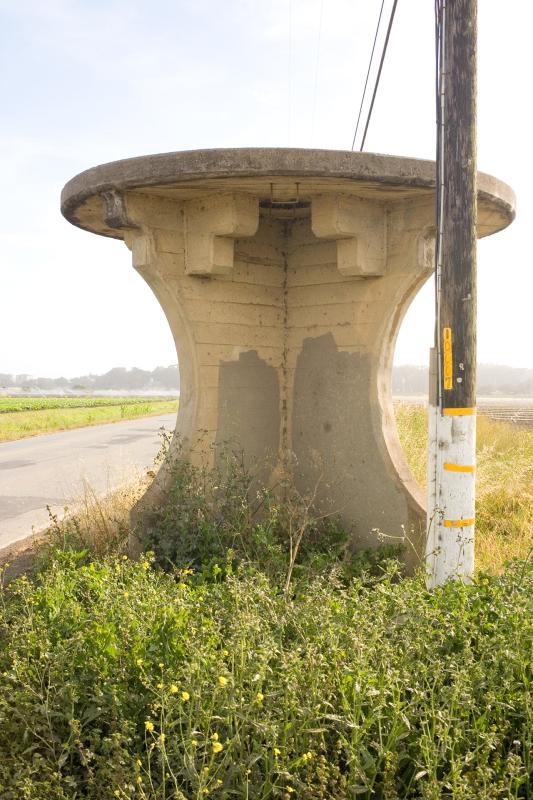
165, 169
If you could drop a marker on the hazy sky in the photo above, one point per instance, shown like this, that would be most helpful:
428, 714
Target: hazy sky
87, 81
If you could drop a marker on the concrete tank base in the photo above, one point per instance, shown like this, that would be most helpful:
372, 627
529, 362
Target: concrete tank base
285, 275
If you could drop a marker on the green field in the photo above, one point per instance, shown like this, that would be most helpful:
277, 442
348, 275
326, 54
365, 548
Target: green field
15, 404
29, 416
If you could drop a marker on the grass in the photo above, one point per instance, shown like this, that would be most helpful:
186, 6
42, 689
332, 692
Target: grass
504, 483
254, 656
47, 415
120, 680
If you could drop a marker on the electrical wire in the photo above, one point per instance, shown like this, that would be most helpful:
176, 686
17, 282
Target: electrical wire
368, 73
317, 64
391, 20
289, 82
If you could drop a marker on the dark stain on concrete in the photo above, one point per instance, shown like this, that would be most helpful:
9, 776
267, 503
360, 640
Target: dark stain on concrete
335, 445
249, 410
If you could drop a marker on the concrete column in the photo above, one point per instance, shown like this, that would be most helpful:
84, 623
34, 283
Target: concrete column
284, 276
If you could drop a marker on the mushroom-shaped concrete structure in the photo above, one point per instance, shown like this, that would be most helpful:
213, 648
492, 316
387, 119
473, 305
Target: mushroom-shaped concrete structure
285, 275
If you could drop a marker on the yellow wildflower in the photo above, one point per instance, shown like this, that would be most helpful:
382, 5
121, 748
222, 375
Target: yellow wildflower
139, 779
159, 685
259, 697
162, 737
149, 725
214, 737
139, 662
225, 653
139, 762
217, 747
161, 665
222, 681
173, 689
194, 742
185, 696
277, 751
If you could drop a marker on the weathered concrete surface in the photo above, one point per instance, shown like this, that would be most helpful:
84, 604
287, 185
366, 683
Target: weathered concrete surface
285, 275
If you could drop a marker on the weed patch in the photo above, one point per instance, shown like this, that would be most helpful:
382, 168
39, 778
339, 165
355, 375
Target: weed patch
120, 679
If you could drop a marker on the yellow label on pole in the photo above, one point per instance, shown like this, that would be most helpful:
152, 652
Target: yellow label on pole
458, 467
447, 358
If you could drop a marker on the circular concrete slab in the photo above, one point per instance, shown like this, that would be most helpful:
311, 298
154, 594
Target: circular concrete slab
276, 176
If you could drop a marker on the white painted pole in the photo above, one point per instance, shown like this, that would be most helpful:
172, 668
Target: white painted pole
452, 413
451, 496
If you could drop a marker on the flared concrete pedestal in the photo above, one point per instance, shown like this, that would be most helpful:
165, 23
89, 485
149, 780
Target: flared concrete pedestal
285, 275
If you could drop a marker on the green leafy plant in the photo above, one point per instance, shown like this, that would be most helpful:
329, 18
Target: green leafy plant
118, 679
223, 517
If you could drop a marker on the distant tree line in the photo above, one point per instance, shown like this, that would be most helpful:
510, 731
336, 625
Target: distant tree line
492, 379
118, 378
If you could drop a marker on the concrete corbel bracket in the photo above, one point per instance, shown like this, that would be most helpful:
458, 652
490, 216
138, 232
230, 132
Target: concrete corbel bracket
143, 252
210, 225
115, 213
426, 250
360, 228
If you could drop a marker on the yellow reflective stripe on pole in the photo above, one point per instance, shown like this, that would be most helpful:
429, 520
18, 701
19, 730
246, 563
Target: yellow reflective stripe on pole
458, 412
458, 523
459, 468
447, 356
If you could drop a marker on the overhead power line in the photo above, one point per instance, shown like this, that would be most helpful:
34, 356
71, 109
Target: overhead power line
289, 82
368, 73
376, 85
317, 64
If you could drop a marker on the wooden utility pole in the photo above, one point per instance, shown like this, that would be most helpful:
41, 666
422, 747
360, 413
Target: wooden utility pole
452, 427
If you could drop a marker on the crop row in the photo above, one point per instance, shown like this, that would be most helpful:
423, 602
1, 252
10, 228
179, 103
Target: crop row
13, 404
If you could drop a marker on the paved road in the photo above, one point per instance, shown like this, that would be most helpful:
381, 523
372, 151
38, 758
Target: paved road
52, 469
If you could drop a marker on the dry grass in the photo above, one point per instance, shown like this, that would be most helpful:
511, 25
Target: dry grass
100, 524
504, 507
